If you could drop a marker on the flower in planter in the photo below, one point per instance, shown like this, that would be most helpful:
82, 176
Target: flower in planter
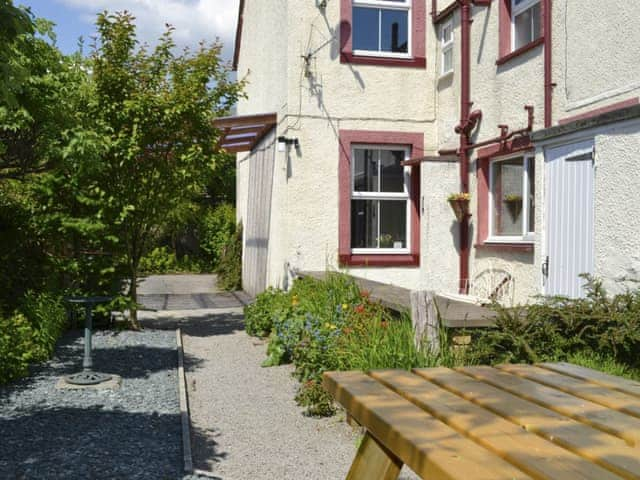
513, 197
514, 205
459, 196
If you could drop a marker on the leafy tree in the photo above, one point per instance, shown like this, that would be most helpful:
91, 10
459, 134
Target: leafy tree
14, 21
38, 109
148, 144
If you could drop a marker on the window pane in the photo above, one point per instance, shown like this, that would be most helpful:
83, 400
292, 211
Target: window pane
392, 171
393, 224
395, 33
365, 170
364, 223
536, 13
447, 60
531, 167
527, 26
365, 28
506, 181
447, 33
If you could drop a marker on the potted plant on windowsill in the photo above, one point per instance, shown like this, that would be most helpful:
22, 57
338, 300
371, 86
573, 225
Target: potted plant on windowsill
513, 203
386, 240
460, 204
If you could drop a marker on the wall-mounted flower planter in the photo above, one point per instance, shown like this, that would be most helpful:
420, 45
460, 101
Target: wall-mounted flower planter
460, 205
514, 207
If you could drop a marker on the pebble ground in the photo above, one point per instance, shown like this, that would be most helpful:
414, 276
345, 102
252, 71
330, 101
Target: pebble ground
130, 433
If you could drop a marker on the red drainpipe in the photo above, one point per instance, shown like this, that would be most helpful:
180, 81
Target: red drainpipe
466, 119
548, 83
465, 108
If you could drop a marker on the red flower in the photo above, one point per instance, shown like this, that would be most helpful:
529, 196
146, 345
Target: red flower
359, 308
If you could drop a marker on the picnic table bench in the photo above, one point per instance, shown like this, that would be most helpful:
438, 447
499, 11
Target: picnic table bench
548, 421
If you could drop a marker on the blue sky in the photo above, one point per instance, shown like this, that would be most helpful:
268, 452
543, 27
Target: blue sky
194, 20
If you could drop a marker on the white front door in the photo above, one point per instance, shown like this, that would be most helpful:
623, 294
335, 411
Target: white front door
569, 218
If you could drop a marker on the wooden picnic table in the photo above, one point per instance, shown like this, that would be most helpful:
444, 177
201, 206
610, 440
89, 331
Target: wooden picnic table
548, 421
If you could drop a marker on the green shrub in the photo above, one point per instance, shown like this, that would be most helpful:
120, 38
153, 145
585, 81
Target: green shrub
229, 268
18, 347
558, 328
217, 227
323, 325
316, 399
48, 317
161, 261
260, 314
30, 335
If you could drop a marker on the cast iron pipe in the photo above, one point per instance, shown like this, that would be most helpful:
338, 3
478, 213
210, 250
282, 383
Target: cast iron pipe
548, 82
505, 135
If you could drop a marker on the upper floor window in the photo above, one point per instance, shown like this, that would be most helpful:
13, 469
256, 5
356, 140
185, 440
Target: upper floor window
511, 199
525, 22
382, 27
446, 46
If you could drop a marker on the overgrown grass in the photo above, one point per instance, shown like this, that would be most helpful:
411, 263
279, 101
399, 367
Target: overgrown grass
604, 363
323, 325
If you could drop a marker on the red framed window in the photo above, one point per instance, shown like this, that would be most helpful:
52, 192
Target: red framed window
383, 32
379, 216
506, 196
520, 27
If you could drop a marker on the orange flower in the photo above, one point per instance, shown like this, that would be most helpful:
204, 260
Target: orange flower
359, 308
384, 324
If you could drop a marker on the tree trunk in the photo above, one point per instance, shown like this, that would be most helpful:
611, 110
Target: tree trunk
133, 295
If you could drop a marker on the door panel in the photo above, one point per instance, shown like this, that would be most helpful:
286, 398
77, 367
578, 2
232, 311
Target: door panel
256, 231
569, 218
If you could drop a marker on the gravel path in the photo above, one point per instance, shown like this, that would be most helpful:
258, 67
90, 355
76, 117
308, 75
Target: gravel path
246, 424
130, 433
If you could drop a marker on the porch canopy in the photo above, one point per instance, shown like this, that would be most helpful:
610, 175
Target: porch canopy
242, 133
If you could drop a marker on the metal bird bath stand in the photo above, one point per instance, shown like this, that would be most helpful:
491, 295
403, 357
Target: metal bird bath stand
87, 376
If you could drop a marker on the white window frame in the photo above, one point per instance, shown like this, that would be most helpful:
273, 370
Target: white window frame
406, 195
405, 5
446, 46
518, 10
527, 236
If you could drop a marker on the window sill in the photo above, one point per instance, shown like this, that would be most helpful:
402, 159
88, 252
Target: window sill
380, 260
445, 76
516, 53
506, 246
350, 57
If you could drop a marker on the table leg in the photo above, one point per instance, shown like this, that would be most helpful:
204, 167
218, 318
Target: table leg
374, 462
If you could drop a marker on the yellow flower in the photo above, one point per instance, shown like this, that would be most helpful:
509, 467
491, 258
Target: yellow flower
345, 306
294, 300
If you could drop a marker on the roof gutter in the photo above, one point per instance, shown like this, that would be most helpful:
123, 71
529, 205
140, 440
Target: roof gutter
236, 49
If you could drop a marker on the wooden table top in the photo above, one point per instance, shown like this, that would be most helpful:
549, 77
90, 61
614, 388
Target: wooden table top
548, 421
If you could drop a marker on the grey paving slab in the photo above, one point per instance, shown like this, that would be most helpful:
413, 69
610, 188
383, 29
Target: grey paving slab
178, 284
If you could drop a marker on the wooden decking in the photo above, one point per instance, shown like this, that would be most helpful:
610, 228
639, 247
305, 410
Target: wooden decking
454, 313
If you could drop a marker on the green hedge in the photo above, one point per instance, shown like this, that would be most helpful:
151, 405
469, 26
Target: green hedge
557, 329
229, 267
29, 334
217, 227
